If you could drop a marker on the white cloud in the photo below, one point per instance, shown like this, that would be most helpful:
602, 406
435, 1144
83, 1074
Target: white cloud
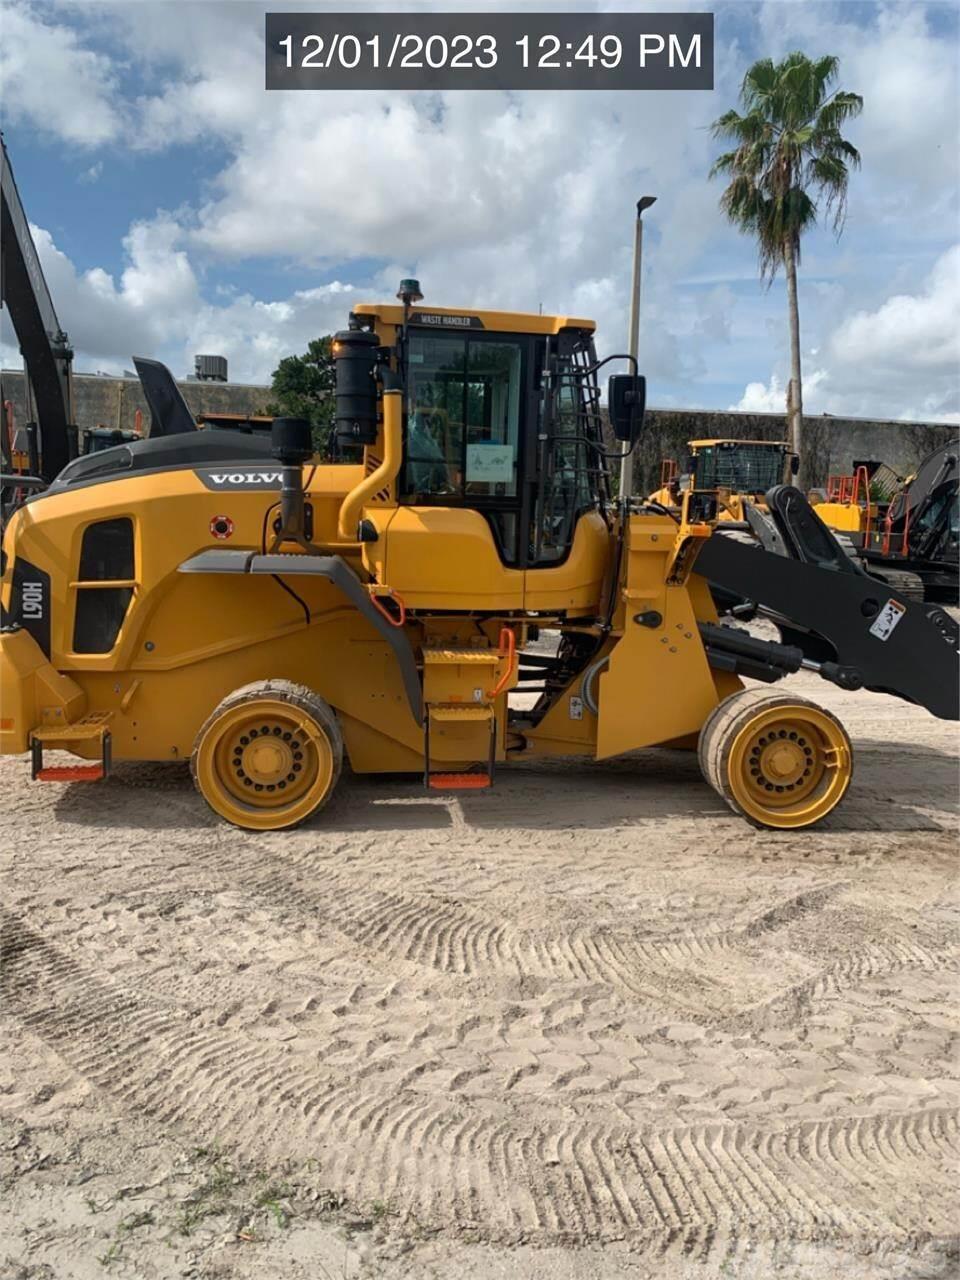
771, 397
910, 333
759, 397
52, 81
115, 319
255, 336
899, 360
155, 309
906, 352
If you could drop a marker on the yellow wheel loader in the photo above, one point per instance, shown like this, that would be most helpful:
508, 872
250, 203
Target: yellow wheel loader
223, 599
738, 471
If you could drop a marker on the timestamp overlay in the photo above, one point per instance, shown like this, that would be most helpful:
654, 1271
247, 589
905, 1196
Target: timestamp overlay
489, 50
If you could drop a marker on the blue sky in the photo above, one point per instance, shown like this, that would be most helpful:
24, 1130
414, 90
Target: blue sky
181, 208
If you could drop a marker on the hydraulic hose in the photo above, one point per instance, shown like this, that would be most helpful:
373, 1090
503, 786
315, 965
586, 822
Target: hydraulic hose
586, 684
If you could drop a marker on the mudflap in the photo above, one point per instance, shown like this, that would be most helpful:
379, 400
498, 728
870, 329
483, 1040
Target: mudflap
898, 646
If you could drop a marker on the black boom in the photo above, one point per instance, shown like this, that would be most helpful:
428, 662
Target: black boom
826, 606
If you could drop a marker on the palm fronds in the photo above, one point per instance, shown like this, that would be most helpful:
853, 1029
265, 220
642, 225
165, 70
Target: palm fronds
787, 153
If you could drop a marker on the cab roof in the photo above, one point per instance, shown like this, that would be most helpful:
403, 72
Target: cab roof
467, 318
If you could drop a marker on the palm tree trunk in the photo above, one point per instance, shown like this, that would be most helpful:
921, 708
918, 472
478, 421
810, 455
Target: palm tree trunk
794, 392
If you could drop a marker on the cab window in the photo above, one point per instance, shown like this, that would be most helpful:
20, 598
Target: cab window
463, 418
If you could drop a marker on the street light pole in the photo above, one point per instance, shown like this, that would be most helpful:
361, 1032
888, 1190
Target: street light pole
633, 346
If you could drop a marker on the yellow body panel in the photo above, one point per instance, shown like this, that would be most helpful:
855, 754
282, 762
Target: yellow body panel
446, 558
648, 660
845, 517
32, 692
443, 558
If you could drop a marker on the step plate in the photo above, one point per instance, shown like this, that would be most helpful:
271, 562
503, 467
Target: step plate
459, 781
460, 713
89, 728
71, 773
456, 657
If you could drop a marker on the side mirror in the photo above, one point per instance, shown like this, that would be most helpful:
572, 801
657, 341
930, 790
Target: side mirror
626, 404
794, 463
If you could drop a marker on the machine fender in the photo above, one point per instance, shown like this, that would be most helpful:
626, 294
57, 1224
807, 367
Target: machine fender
337, 571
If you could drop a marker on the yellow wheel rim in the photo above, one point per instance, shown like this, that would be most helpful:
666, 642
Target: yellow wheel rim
264, 764
789, 766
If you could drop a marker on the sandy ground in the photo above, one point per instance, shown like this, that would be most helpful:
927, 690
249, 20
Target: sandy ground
586, 1025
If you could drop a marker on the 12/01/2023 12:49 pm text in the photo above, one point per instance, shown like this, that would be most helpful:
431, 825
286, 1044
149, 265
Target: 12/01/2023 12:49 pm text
489, 51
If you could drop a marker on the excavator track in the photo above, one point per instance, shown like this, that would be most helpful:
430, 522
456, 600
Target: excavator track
902, 581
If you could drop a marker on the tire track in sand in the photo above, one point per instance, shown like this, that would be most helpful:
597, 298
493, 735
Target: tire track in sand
562, 1179
871, 961
452, 938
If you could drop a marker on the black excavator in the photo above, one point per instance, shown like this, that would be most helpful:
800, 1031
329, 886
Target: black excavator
920, 532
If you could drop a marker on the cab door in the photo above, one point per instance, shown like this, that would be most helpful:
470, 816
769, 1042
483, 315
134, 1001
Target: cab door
569, 536
456, 538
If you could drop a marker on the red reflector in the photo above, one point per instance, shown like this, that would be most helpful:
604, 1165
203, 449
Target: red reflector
71, 773
459, 781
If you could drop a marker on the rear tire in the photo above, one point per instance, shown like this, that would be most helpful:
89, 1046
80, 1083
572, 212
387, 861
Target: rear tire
778, 761
269, 756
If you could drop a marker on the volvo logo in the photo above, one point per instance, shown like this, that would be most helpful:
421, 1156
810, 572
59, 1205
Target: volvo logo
238, 479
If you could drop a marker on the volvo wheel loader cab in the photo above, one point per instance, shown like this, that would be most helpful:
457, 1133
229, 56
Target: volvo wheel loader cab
236, 604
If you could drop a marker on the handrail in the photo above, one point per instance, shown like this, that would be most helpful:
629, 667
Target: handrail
507, 646
375, 590
862, 471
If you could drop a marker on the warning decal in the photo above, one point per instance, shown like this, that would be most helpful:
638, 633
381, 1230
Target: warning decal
887, 619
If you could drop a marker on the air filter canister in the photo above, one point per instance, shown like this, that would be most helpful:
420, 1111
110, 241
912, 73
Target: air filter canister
355, 359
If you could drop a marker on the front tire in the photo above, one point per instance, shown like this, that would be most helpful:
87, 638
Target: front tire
269, 756
780, 762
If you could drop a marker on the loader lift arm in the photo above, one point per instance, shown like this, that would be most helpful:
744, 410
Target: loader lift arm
835, 613
46, 349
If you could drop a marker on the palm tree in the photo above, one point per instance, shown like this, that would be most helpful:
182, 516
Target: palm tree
787, 145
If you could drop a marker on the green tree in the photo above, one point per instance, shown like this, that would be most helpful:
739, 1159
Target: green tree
303, 387
788, 152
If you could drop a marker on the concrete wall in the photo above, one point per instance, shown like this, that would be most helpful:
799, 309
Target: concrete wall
113, 402
831, 444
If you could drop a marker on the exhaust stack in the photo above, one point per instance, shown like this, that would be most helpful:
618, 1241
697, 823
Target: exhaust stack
292, 445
